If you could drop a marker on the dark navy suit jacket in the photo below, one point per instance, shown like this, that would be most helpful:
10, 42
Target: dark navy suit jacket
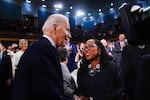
5, 74
39, 75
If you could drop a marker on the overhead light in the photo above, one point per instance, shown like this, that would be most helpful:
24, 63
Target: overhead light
28, 1
58, 6
70, 7
80, 13
100, 13
44, 6
67, 12
100, 10
89, 14
111, 4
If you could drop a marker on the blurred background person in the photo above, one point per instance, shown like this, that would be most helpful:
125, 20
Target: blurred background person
5, 74
23, 45
109, 49
118, 47
71, 59
69, 83
78, 58
1, 52
80, 50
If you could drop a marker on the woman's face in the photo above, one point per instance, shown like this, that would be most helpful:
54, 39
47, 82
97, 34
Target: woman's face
82, 46
91, 50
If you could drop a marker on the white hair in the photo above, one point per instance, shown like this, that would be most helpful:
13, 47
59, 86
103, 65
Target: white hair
23, 40
53, 19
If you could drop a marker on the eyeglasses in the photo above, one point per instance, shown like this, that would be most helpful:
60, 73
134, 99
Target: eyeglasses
90, 46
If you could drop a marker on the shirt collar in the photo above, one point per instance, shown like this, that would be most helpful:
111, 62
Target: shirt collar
50, 39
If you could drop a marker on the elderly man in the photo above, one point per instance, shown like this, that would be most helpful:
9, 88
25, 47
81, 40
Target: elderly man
39, 75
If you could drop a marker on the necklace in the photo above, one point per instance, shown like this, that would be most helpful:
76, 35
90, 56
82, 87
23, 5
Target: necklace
93, 71
141, 46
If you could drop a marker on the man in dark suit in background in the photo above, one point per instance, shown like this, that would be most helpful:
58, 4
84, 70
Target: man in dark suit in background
5, 74
39, 75
119, 45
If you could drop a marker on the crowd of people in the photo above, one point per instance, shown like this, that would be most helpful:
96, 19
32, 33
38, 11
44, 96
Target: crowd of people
9, 60
17, 25
79, 33
54, 68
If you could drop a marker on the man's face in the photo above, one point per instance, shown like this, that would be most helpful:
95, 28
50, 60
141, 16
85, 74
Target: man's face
121, 37
23, 45
62, 33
